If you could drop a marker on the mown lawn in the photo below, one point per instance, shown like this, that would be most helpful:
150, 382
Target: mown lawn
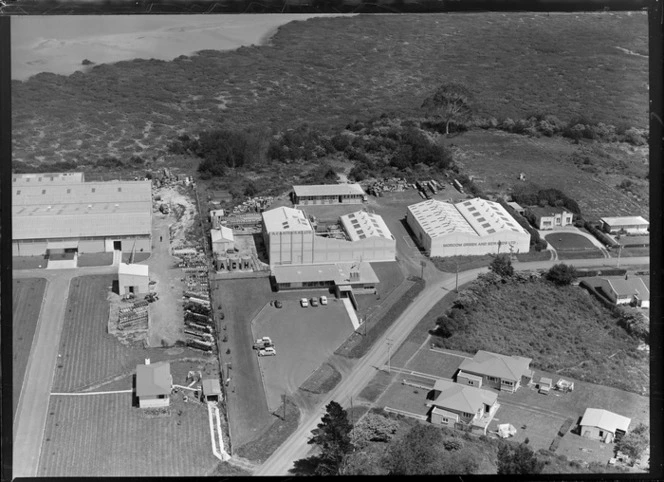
564, 330
27, 296
327, 71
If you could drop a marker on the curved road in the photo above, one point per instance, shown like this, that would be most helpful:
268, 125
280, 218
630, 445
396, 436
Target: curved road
296, 447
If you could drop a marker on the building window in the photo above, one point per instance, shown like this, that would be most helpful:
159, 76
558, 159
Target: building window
467, 415
507, 382
492, 379
445, 420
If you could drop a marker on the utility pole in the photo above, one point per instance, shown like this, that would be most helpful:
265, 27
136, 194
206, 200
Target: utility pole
284, 397
619, 251
456, 289
389, 345
422, 264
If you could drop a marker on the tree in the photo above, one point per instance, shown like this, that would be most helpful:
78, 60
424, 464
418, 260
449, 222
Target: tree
518, 460
333, 438
451, 102
502, 265
561, 274
373, 428
634, 443
416, 453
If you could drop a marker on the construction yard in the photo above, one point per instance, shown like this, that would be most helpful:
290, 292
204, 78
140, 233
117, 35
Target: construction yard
27, 296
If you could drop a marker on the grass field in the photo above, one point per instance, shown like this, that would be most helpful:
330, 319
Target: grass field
95, 259
571, 332
103, 435
569, 241
562, 64
29, 262
27, 295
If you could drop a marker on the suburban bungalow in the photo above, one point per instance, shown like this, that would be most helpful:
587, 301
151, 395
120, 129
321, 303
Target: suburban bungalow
547, 217
602, 425
626, 224
153, 384
625, 291
488, 369
452, 403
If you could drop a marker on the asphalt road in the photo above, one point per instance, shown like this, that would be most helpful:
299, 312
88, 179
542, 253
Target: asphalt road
32, 408
296, 447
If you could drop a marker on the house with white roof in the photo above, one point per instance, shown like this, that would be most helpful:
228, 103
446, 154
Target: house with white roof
468, 228
625, 290
222, 240
154, 383
602, 425
452, 403
486, 369
133, 278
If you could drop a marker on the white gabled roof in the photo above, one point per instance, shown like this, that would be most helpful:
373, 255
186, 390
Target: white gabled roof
597, 417
487, 217
133, 269
438, 218
626, 221
361, 225
222, 233
285, 219
38, 179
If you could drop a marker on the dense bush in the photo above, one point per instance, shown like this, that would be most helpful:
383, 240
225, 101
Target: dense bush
561, 274
530, 194
601, 236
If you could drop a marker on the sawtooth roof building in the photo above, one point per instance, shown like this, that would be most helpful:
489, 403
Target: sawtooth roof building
85, 217
290, 239
468, 228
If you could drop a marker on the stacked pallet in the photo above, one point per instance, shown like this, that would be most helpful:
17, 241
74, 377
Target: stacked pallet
133, 317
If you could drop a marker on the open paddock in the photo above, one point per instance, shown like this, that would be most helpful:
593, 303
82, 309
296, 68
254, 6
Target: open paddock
103, 435
27, 296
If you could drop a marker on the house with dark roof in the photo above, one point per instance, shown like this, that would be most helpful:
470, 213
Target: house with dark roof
625, 291
602, 425
453, 403
493, 370
548, 217
153, 384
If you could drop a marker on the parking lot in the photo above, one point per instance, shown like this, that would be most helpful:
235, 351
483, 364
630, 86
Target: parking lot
304, 338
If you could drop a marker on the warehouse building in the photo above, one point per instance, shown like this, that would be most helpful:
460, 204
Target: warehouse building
626, 224
290, 238
329, 194
469, 228
42, 179
83, 217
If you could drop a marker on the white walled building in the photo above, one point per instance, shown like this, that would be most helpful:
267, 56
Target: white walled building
222, 240
329, 194
133, 278
291, 239
468, 228
628, 224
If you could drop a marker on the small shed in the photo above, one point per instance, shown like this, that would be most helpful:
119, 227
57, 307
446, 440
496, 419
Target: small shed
545, 385
211, 390
222, 240
215, 217
602, 425
153, 384
133, 278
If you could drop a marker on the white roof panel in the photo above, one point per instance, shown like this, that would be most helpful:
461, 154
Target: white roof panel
597, 417
285, 219
487, 217
438, 218
133, 269
329, 190
626, 221
361, 225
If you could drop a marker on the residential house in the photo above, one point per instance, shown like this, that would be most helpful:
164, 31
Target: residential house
452, 403
625, 224
548, 217
625, 291
488, 369
602, 425
153, 384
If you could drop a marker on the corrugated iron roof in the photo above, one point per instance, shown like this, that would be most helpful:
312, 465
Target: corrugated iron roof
597, 417
488, 217
284, 219
628, 287
133, 269
42, 178
97, 224
625, 221
462, 398
153, 379
496, 365
438, 218
329, 190
83, 193
361, 225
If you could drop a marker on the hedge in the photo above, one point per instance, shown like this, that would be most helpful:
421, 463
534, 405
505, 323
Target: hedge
589, 273
606, 240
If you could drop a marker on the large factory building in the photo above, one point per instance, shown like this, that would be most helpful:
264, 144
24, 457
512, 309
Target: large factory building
291, 239
469, 228
55, 213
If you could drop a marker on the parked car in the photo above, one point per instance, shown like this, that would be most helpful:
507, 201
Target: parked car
323, 300
304, 302
263, 343
314, 302
267, 352
278, 304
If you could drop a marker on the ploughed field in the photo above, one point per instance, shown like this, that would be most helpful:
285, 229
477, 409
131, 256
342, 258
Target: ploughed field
329, 71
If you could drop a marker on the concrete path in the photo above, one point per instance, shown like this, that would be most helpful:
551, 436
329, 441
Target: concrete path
33, 402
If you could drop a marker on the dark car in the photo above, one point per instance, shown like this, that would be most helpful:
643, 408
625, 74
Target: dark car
278, 304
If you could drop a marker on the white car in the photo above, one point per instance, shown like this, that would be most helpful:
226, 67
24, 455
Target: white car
304, 302
267, 352
323, 300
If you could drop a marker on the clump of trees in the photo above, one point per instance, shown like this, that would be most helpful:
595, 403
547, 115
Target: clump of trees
518, 459
530, 194
561, 274
634, 443
451, 105
502, 266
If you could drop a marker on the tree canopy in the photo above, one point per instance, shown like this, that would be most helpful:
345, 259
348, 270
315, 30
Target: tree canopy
332, 436
502, 265
518, 460
561, 274
634, 443
451, 102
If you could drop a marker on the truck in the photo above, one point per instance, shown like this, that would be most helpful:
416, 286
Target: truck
261, 343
